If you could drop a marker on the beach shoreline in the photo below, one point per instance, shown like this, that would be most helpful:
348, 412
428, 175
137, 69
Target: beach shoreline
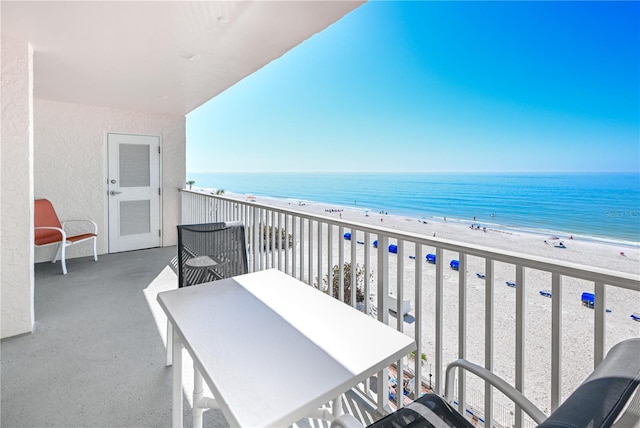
606, 254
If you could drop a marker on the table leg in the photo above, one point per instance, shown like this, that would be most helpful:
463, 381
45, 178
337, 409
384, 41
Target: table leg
198, 393
336, 406
177, 381
169, 343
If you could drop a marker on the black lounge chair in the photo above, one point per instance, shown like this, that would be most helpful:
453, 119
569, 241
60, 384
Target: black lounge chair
609, 397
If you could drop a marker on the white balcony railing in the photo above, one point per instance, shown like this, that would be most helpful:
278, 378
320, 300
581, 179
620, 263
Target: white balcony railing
441, 320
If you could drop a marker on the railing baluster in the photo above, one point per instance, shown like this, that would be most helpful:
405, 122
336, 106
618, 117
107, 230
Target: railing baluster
320, 255
488, 338
310, 250
383, 316
367, 285
287, 246
256, 241
294, 264
599, 331
399, 285
330, 259
556, 340
399, 317
462, 329
439, 324
520, 340
302, 241
417, 380
353, 266
279, 240
273, 238
263, 254
341, 263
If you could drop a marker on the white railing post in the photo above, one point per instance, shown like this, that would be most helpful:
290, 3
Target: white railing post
310, 251
341, 263
417, 380
383, 316
302, 241
287, 246
462, 329
488, 338
255, 239
319, 255
439, 324
556, 340
280, 230
520, 340
353, 267
599, 330
294, 233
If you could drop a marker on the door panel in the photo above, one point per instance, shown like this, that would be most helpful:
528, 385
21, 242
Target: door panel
133, 192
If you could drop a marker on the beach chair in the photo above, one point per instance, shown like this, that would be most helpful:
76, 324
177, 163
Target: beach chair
393, 248
588, 300
375, 244
431, 258
609, 397
347, 236
545, 293
454, 264
481, 275
511, 284
635, 316
49, 230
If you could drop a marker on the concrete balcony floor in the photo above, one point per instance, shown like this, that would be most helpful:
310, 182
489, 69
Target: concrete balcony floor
96, 357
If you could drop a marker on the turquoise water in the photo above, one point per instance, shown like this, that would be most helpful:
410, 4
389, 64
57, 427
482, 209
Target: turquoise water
603, 206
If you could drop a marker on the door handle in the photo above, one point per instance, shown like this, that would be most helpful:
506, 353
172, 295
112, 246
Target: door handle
114, 192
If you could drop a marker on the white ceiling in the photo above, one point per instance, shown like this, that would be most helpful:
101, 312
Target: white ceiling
135, 55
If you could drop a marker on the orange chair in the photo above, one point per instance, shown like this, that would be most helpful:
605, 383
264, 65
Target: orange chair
49, 230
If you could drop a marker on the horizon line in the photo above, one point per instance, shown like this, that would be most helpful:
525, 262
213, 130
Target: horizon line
413, 172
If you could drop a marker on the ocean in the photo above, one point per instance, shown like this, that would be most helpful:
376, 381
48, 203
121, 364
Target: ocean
598, 206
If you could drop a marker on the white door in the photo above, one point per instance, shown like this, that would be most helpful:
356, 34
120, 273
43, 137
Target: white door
133, 187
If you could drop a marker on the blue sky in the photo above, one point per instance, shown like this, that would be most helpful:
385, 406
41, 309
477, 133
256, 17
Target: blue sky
439, 87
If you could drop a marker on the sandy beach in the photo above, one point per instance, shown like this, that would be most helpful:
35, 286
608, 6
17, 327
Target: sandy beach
577, 319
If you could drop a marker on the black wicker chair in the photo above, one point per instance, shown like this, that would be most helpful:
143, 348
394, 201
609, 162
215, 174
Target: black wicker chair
208, 252
211, 251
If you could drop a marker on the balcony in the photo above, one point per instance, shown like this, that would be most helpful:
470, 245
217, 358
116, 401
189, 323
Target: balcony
96, 356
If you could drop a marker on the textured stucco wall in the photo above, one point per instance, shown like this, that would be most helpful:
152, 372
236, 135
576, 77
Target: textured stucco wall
16, 183
71, 164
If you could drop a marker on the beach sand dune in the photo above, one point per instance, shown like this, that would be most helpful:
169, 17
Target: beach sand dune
577, 319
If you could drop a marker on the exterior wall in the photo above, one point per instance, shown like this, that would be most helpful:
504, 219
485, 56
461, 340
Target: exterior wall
71, 164
16, 182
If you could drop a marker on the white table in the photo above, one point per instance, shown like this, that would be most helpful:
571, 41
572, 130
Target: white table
271, 348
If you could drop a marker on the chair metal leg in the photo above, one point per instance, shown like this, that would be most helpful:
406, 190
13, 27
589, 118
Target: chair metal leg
57, 256
63, 258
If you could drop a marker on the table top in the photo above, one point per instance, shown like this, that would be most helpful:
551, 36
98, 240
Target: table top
272, 349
